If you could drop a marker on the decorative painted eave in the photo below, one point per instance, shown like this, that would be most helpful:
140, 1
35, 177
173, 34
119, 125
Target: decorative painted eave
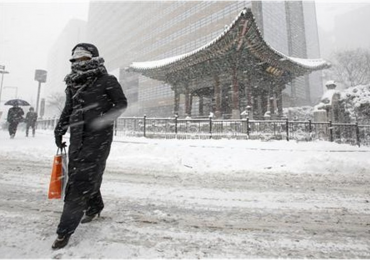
242, 35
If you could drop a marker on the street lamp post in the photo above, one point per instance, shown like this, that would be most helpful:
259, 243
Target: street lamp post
38, 98
2, 72
40, 76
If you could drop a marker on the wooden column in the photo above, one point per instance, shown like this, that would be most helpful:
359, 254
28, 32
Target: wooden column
176, 100
271, 101
279, 102
201, 106
259, 106
293, 97
217, 96
235, 94
265, 102
187, 102
190, 103
248, 90
249, 96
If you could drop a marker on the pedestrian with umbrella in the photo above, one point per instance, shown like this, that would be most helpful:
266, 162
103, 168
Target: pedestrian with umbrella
15, 115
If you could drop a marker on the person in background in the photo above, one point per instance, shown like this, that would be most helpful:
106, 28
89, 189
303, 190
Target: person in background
15, 116
31, 118
94, 99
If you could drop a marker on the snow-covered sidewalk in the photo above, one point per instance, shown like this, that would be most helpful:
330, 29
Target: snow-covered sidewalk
195, 199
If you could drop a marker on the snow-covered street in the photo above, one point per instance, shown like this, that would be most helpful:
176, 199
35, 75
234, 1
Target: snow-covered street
195, 199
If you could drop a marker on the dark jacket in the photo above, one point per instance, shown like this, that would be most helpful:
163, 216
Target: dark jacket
15, 115
90, 116
31, 117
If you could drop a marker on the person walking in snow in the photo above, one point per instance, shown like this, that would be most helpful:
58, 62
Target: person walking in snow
94, 99
31, 118
15, 116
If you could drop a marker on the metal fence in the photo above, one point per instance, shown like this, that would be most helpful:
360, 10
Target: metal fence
47, 124
208, 128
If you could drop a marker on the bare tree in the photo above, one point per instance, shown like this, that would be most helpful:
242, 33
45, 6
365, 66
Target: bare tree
352, 67
57, 100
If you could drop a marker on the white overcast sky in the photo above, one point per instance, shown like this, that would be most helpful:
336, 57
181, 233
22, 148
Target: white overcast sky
27, 31
29, 28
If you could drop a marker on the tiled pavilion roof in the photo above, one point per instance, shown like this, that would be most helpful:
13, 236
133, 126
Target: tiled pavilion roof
241, 41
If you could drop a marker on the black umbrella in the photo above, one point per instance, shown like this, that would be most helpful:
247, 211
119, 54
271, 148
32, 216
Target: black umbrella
17, 101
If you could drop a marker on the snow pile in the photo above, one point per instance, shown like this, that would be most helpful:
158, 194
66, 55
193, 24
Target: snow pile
205, 156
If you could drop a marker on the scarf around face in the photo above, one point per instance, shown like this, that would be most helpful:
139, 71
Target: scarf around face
84, 73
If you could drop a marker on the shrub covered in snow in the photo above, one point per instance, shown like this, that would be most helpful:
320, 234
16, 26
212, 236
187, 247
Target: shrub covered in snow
303, 113
356, 102
354, 106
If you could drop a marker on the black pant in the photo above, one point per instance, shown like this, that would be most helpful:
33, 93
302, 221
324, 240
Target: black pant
33, 125
82, 194
13, 128
87, 160
73, 212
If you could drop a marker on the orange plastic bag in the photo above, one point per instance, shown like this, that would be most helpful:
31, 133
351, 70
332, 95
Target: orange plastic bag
58, 177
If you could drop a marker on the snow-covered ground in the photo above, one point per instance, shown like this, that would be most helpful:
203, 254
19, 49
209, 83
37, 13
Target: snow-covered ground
195, 199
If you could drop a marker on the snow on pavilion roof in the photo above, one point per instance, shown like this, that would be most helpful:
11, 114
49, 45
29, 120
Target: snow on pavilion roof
241, 35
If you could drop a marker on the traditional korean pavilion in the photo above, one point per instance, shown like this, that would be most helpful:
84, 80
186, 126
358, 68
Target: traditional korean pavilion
254, 72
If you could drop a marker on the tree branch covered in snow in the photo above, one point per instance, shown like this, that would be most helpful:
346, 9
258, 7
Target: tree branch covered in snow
56, 100
352, 67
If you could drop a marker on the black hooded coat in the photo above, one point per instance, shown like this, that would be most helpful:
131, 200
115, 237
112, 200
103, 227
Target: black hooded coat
90, 116
94, 100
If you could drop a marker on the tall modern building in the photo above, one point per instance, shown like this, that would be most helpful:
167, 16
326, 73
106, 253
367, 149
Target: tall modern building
135, 31
58, 65
348, 28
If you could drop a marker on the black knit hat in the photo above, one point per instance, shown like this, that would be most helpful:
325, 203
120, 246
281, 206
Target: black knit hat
91, 49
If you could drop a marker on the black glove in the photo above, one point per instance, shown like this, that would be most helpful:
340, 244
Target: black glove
58, 141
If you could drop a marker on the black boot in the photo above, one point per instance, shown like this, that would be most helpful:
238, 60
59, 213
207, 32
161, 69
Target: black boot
60, 242
89, 218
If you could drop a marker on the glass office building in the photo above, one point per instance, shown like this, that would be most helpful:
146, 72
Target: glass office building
135, 31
